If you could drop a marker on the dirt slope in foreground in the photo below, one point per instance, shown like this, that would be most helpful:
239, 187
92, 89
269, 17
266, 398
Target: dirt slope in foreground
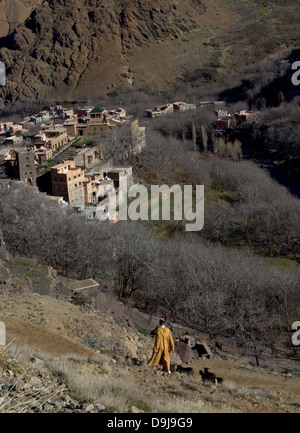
51, 327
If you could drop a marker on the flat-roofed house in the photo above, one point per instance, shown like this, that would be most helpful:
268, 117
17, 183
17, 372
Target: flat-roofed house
70, 126
43, 154
26, 166
90, 129
180, 106
244, 116
68, 182
22, 161
160, 110
14, 140
88, 157
97, 115
53, 137
223, 122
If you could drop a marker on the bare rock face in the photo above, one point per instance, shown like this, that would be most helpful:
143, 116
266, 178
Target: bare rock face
86, 48
13, 13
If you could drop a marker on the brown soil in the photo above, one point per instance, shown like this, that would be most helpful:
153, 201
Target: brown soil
40, 339
57, 328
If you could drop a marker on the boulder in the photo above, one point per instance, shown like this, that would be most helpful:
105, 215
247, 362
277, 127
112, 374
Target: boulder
184, 351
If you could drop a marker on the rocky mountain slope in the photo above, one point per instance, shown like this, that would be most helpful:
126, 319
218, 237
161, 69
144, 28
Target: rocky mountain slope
61, 50
82, 48
15, 12
91, 356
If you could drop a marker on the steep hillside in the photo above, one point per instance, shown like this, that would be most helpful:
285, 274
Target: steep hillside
85, 46
92, 357
59, 334
15, 12
82, 49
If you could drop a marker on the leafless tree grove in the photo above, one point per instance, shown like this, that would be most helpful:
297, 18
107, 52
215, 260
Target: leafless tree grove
220, 290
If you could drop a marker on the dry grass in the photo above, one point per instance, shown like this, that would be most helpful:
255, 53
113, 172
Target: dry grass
99, 383
182, 405
118, 386
15, 361
24, 401
255, 391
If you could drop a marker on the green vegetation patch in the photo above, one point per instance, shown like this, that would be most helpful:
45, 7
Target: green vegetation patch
35, 275
81, 299
218, 191
81, 142
279, 263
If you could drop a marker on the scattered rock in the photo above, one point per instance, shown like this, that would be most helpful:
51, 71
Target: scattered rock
134, 409
88, 407
37, 360
47, 407
184, 351
35, 381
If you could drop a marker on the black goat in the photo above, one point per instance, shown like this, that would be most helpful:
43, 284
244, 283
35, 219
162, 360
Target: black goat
186, 370
208, 376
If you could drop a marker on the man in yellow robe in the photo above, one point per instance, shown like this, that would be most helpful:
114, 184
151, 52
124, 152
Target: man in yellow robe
163, 345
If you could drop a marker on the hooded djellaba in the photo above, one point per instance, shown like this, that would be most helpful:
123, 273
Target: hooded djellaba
163, 345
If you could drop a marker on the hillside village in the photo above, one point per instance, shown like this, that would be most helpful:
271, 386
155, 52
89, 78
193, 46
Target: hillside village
96, 97
82, 181
77, 182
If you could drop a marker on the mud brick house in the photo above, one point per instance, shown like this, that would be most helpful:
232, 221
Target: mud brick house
91, 188
26, 166
180, 106
116, 174
88, 157
160, 110
82, 112
4, 127
11, 128
67, 182
223, 122
43, 154
134, 135
53, 137
97, 115
244, 116
63, 111
21, 163
70, 126
90, 129
14, 140
78, 187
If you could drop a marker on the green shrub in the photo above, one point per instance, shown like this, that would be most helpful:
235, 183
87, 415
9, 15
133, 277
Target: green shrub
81, 300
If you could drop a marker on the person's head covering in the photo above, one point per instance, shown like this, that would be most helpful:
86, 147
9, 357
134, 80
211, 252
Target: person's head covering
162, 321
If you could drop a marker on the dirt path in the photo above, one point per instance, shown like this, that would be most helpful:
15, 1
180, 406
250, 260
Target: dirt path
55, 328
40, 339
244, 390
